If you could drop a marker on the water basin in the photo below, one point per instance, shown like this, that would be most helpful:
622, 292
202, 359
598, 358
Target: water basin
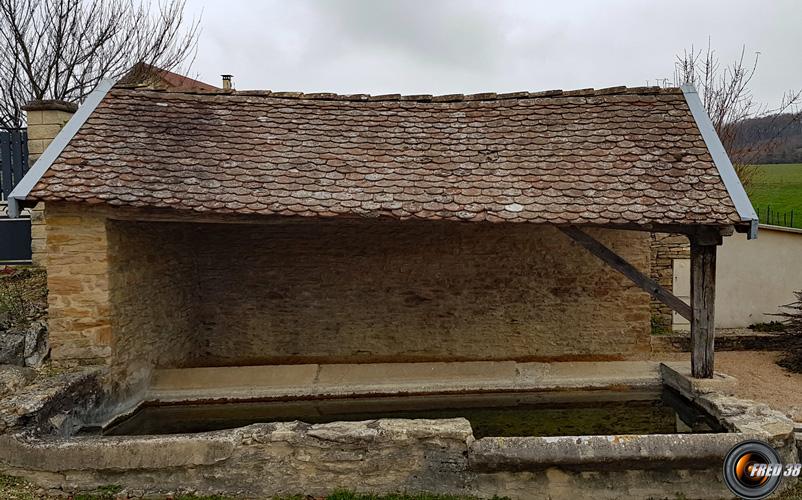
494, 414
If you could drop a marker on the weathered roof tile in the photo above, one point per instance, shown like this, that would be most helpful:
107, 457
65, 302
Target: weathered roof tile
610, 156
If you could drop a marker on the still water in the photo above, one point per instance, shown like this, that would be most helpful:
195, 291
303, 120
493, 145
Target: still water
498, 414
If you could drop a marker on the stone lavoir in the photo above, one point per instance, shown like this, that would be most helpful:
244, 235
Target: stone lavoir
255, 246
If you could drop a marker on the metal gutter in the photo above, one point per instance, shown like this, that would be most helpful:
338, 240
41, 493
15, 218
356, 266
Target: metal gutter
27, 183
721, 160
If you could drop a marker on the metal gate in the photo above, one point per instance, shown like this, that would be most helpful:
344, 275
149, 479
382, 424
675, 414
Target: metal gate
15, 234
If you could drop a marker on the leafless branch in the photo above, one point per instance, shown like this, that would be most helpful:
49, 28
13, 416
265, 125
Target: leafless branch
61, 49
726, 93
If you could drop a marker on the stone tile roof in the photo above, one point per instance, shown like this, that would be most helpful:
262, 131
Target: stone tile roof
611, 156
153, 77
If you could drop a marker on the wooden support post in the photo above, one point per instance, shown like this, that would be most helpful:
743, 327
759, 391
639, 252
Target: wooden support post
703, 296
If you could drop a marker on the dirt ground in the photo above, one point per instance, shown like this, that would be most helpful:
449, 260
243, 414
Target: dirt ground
759, 378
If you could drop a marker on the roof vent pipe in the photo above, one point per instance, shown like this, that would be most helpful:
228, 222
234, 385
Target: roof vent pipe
227, 81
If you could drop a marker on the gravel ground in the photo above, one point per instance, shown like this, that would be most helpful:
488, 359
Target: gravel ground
759, 378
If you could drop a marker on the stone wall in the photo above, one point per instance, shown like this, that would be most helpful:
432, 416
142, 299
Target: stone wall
390, 456
664, 249
187, 294
79, 310
417, 291
375, 456
153, 296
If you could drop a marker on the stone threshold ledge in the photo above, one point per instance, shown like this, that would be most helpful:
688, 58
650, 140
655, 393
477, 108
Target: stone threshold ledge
387, 379
624, 452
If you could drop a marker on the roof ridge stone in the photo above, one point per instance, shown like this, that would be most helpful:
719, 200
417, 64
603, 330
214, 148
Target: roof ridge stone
425, 98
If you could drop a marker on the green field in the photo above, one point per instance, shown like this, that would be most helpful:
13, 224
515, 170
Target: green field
778, 187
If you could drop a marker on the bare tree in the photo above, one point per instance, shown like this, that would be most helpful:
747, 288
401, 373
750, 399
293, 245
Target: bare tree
725, 91
792, 355
61, 49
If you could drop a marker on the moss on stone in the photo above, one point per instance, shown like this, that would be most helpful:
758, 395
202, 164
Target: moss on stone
660, 327
14, 488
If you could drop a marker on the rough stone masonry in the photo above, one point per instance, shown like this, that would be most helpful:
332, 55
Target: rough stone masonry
171, 294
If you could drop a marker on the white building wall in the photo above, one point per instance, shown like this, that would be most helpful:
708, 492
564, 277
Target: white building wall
753, 278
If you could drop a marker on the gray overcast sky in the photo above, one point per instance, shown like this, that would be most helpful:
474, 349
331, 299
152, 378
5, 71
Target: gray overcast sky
464, 46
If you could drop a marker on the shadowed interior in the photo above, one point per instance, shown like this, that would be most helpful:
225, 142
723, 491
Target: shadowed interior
188, 294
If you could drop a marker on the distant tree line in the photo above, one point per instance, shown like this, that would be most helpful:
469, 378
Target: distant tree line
769, 139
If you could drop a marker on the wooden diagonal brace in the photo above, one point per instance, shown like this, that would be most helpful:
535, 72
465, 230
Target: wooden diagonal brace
622, 266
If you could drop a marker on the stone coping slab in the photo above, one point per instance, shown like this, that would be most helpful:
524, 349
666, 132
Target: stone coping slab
737, 415
677, 375
256, 461
490, 454
313, 380
682, 451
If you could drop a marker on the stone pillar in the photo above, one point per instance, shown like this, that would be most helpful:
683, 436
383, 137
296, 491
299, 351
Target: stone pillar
79, 310
45, 120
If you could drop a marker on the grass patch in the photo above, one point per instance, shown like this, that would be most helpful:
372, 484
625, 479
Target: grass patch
204, 497
349, 495
103, 493
14, 488
778, 187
